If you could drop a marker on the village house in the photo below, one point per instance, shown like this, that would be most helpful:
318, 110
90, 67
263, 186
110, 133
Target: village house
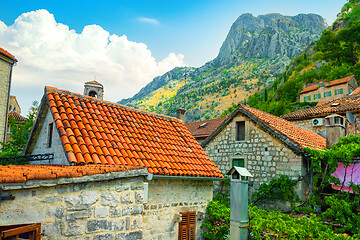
264, 144
84, 130
203, 129
325, 91
7, 62
314, 118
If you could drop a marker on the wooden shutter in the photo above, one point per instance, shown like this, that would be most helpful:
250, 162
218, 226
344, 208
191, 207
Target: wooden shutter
187, 226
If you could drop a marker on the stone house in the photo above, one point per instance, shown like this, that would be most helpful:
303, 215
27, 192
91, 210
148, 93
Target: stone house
203, 129
81, 130
7, 62
326, 91
14, 112
264, 144
314, 118
75, 202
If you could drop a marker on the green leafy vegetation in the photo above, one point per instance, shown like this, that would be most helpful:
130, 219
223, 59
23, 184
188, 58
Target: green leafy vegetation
20, 132
278, 188
335, 55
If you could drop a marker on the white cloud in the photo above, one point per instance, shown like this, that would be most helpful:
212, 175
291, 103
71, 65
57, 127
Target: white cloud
49, 53
148, 20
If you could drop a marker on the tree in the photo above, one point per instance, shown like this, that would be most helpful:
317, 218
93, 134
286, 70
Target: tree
19, 134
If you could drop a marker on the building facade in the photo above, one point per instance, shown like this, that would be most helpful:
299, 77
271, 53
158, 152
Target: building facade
7, 62
326, 91
314, 118
264, 144
81, 130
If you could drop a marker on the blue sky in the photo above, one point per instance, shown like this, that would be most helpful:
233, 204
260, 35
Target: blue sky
123, 44
193, 28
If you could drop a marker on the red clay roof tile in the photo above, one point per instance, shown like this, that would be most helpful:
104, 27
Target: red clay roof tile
338, 106
7, 54
299, 136
22, 173
116, 134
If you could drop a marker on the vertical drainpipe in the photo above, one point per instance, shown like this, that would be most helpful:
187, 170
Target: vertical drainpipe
7, 102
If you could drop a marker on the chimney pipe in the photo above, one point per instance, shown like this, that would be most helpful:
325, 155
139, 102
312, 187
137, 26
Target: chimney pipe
335, 129
180, 114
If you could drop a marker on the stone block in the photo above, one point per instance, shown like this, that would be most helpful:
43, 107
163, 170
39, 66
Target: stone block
115, 212
109, 199
132, 210
101, 212
127, 197
89, 197
72, 200
58, 212
136, 223
106, 236
129, 236
78, 215
79, 187
97, 225
74, 229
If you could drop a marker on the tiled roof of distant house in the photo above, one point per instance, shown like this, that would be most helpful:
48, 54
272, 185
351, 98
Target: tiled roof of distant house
339, 81
23, 173
310, 88
331, 83
203, 129
7, 54
338, 106
355, 92
101, 132
16, 116
281, 128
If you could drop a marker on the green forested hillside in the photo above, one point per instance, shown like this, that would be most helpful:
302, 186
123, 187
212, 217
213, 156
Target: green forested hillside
335, 55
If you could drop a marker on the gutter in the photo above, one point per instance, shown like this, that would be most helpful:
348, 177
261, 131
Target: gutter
151, 176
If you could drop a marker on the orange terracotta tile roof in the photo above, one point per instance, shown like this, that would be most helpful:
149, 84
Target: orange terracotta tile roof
338, 106
310, 88
94, 82
320, 103
339, 81
7, 54
299, 136
101, 132
16, 116
203, 129
280, 128
22, 173
355, 92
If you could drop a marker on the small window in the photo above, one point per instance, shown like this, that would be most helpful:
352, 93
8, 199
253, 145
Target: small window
238, 162
317, 96
308, 98
240, 131
50, 134
187, 226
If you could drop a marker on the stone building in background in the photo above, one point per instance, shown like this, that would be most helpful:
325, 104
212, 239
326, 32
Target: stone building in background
264, 144
7, 62
326, 91
314, 118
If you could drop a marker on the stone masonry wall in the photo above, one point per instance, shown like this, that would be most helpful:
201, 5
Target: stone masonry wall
4, 87
56, 148
106, 209
168, 197
265, 155
307, 124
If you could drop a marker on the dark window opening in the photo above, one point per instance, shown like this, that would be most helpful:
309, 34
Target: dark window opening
50, 134
240, 131
187, 226
93, 94
238, 162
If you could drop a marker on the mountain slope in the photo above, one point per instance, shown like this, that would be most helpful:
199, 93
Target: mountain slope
255, 52
335, 55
